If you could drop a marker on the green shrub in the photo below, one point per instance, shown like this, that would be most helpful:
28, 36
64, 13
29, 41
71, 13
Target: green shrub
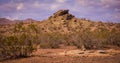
114, 39
20, 44
50, 40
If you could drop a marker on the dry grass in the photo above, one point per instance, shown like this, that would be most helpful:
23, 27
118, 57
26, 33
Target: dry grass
54, 56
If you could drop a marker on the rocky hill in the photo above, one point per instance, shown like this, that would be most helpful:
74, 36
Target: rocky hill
63, 21
63, 28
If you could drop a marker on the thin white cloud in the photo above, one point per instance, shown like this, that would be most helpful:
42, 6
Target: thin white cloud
100, 3
37, 4
87, 3
117, 10
12, 17
110, 3
8, 17
7, 7
20, 6
54, 6
16, 18
82, 2
61, 1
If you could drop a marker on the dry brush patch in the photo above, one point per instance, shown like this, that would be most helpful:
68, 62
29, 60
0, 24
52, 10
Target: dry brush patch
19, 44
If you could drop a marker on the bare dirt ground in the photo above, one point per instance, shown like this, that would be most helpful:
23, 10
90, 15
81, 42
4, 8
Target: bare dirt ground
70, 56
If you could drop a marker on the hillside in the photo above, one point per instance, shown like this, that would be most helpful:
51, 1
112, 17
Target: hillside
63, 21
63, 27
60, 30
4, 21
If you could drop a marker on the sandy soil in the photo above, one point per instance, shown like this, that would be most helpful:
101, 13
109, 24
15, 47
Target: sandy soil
70, 56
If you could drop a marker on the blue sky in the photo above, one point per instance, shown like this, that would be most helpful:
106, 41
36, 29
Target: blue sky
97, 10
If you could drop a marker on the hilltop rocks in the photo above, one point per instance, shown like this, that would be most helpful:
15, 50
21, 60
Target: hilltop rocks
64, 14
61, 12
68, 16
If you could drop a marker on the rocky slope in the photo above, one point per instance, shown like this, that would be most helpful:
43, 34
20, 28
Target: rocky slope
63, 21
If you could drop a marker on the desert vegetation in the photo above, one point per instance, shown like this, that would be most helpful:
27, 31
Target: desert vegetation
22, 39
21, 43
26, 39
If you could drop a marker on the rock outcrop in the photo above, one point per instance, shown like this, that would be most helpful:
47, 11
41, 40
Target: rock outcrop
61, 12
64, 14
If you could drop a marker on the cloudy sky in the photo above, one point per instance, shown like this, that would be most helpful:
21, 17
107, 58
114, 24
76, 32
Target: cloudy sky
99, 10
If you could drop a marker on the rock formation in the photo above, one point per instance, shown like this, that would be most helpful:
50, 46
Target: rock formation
63, 14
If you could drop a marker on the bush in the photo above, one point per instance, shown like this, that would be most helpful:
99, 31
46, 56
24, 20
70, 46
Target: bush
114, 39
20, 44
50, 40
13, 48
87, 40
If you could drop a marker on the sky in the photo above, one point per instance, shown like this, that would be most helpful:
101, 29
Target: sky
97, 10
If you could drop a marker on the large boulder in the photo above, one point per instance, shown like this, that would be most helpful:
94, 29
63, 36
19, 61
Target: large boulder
62, 13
